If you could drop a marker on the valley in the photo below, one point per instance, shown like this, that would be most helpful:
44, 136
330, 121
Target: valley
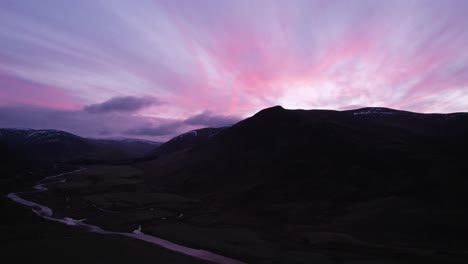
269, 190
234, 132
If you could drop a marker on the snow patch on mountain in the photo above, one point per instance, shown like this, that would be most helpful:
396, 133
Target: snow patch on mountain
193, 133
371, 111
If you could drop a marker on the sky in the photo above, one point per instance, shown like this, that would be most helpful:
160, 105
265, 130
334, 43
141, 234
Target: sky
155, 69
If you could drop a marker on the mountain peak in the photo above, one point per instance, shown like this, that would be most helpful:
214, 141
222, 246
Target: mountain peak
270, 112
276, 108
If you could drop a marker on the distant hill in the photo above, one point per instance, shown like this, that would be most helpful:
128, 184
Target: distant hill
131, 148
55, 145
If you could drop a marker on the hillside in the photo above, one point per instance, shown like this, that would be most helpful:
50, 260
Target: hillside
368, 171
54, 146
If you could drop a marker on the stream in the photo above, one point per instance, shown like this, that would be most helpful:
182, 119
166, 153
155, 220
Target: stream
47, 213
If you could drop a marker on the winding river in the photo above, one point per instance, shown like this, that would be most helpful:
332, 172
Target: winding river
47, 213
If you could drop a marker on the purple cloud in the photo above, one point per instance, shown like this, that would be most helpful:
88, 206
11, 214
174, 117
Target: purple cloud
231, 57
82, 123
174, 127
209, 119
89, 124
122, 104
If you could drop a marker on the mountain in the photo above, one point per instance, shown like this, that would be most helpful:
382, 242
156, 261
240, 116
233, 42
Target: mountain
55, 145
384, 174
132, 148
187, 140
370, 185
45, 144
369, 137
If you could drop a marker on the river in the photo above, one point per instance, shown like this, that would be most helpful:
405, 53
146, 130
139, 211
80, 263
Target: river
47, 213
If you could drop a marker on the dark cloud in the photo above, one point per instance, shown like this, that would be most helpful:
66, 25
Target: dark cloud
122, 104
209, 119
160, 130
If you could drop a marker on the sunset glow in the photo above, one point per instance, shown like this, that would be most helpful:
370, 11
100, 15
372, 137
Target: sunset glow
155, 65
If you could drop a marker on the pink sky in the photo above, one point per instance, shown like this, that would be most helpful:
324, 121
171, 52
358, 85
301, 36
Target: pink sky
158, 64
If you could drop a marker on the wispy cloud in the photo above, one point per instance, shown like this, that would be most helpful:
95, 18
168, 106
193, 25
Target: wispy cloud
234, 58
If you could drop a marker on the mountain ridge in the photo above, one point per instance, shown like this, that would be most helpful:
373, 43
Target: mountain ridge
58, 145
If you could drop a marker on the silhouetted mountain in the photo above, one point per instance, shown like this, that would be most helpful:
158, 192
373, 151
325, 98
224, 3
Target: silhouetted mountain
45, 144
188, 140
132, 148
369, 170
55, 145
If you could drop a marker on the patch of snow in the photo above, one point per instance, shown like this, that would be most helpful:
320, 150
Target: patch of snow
371, 111
50, 140
135, 140
193, 132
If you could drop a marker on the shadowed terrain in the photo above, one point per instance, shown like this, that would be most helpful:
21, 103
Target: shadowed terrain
55, 145
371, 185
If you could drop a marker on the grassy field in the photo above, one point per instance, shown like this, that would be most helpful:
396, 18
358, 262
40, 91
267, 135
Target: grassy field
117, 198
27, 238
